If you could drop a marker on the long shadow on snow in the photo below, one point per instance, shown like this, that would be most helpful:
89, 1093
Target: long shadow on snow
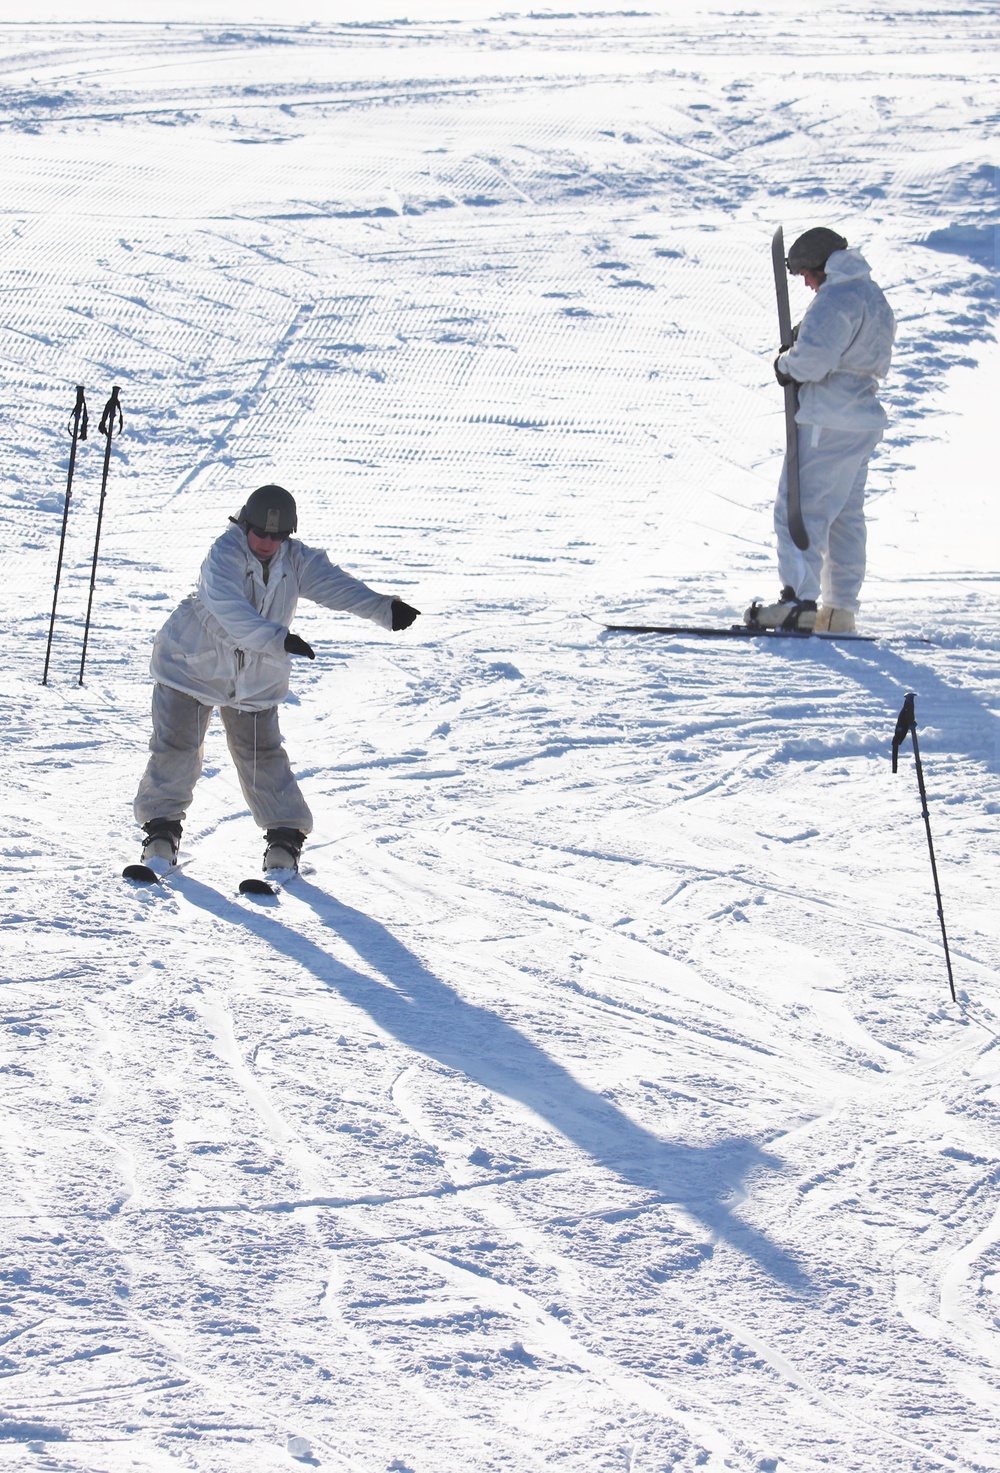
428, 1016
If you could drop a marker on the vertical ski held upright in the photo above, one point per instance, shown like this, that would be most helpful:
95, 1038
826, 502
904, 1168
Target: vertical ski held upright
796, 526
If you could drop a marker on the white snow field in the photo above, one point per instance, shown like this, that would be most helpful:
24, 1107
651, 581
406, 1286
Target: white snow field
596, 1101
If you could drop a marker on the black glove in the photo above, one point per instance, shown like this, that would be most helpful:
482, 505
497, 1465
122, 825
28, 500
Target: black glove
403, 614
784, 379
296, 646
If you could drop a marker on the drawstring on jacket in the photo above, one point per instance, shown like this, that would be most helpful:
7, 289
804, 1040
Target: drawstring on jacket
254, 781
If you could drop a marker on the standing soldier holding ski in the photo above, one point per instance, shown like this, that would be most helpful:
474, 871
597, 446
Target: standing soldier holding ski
228, 646
842, 348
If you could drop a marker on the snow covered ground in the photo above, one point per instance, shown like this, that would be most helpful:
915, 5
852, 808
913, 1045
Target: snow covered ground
596, 1102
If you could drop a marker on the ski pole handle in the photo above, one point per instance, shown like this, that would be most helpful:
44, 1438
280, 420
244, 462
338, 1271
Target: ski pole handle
905, 723
113, 407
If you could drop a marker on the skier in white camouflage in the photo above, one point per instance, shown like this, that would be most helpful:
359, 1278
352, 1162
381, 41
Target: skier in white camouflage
228, 646
841, 350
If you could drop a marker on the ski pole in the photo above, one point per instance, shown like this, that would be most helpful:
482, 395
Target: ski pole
906, 724
78, 429
107, 428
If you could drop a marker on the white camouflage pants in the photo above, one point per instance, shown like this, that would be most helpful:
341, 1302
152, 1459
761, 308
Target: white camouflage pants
176, 747
833, 468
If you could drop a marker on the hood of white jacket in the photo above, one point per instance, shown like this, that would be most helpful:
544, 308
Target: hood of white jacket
849, 265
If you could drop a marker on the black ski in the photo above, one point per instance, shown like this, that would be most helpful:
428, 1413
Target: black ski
272, 882
796, 525
735, 631
143, 875
255, 886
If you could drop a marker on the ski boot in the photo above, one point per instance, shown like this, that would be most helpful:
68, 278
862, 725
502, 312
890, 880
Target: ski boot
281, 862
834, 621
159, 851
283, 848
162, 841
789, 613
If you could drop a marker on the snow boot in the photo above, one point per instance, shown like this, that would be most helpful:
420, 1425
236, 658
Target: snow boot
834, 621
788, 613
283, 848
162, 841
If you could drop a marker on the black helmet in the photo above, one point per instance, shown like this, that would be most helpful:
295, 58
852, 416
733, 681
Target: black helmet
271, 508
810, 251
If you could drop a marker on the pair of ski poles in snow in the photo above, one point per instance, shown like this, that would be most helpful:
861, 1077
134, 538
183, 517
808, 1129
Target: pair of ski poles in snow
111, 417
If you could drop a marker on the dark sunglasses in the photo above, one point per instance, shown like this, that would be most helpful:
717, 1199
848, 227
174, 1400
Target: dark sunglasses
267, 536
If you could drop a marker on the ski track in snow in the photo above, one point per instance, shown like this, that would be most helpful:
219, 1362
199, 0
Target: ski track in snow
596, 1101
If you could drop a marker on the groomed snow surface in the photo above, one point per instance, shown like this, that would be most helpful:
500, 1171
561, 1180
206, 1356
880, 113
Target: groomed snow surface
596, 1101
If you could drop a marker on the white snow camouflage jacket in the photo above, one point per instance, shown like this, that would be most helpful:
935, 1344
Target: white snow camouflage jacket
843, 348
224, 645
